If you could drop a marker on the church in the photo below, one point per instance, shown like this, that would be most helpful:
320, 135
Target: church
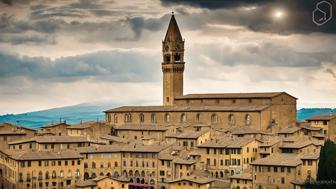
266, 111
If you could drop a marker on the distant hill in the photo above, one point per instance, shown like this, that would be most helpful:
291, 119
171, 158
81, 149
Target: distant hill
305, 113
86, 112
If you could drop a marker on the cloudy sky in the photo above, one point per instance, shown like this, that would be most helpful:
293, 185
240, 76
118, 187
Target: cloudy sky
59, 53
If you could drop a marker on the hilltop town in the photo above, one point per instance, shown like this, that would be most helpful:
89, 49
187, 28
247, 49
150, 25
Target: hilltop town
192, 141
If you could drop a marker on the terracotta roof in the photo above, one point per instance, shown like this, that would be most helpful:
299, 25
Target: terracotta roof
290, 160
272, 141
194, 179
166, 156
115, 138
190, 108
99, 149
53, 139
41, 155
85, 125
227, 143
322, 117
239, 130
297, 144
192, 134
289, 130
184, 161
12, 133
246, 176
155, 148
231, 95
310, 156
55, 125
141, 127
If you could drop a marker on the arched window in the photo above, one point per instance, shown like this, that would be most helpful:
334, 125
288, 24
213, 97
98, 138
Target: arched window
116, 174
77, 173
232, 120
214, 119
167, 58
93, 165
61, 174
142, 118
86, 176
115, 118
128, 117
53, 175
198, 118
177, 57
47, 175
183, 118
101, 174
109, 164
101, 164
40, 176
248, 119
130, 173
125, 173
167, 117
69, 173
28, 177
143, 174
93, 175
153, 118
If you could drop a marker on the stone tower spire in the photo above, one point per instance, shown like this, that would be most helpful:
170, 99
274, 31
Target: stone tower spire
173, 63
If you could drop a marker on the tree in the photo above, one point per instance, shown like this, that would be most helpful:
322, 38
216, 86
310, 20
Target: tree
326, 175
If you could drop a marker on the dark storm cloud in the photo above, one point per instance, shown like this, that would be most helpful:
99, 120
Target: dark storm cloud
330, 71
28, 39
10, 25
116, 66
138, 24
299, 14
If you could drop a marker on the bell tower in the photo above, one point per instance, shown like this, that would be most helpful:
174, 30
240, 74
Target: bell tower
173, 63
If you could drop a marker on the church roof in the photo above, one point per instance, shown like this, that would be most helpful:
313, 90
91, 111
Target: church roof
190, 108
231, 95
173, 31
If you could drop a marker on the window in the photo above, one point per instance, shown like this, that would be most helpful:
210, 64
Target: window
198, 118
153, 118
142, 118
232, 120
115, 117
282, 180
167, 117
183, 118
167, 58
61, 173
248, 119
77, 173
177, 57
214, 118
128, 117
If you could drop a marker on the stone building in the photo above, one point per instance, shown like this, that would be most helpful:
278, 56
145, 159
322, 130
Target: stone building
24, 170
327, 123
268, 111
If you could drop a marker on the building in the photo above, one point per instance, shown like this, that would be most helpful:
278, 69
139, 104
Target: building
90, 129
241, 181
10, 133
24, 170
50, 143
101, 182
327, 123
269, 111
57, 129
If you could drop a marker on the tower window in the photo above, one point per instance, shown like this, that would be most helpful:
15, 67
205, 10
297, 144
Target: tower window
167, 99
167, 58
177, 57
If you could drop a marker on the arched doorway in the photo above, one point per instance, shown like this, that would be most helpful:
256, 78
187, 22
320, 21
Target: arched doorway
86, 176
